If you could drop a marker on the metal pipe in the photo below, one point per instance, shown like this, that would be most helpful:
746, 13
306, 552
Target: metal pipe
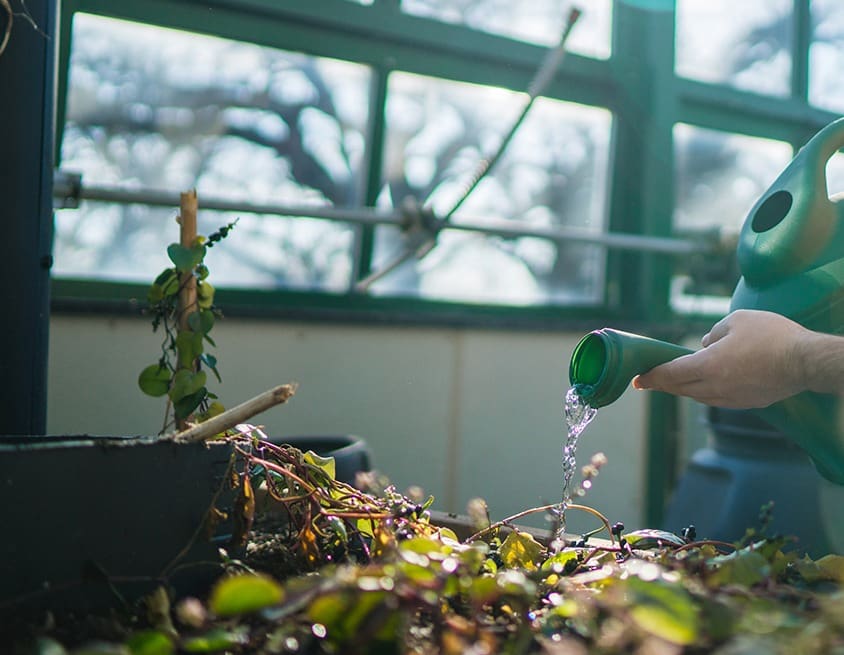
68, 191
614, 241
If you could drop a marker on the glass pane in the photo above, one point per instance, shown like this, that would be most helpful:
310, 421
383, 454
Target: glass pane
552, 175
718, 177
746, 46
154, 108
826, 55
537, 21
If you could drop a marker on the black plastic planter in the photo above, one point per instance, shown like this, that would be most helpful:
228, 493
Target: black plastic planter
88, 521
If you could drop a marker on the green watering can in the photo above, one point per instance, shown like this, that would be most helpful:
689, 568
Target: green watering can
791, 256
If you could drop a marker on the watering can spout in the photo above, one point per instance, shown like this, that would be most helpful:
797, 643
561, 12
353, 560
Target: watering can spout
605, 361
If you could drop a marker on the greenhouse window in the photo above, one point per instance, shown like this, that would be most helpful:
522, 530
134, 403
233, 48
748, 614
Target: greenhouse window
366, 148
163, 109
554, 174
746, 45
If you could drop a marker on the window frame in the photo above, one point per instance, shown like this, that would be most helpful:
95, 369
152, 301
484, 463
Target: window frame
642, 91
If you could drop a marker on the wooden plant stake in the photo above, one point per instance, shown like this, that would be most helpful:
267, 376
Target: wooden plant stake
188, 205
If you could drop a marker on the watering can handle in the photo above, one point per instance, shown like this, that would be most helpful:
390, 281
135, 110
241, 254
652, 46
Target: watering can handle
793, 224
821, 148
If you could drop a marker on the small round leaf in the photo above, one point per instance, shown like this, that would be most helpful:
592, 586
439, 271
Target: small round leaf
243, 594
150, 642
154, 380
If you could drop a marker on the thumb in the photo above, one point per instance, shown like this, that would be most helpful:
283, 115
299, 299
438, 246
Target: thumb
718, 332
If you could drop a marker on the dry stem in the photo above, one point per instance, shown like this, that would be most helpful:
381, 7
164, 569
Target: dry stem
543, 508
235, 415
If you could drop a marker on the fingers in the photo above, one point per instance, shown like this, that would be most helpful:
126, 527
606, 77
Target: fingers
676, 376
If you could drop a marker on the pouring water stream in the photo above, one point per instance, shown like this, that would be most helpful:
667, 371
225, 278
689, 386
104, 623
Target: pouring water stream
578, 415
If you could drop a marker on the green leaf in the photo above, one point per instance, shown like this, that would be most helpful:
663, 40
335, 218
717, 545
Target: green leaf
343, 614
211, 362
165, 277
102, 648
204, 295
325, 464
185, 259
150, 642
521, 551
201, 321
243, 594
216, 640
48, 646
154, 380
560, 562
743, 567
214, 409
664, 610
484, 590
448, 533
832, 567
186, 382
649, 538
717, 618
166, 284
186, 406
514, 582
189, 347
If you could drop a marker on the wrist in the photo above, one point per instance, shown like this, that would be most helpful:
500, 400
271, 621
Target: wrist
818, 361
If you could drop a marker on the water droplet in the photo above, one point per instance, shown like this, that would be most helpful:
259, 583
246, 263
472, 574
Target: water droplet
319, 630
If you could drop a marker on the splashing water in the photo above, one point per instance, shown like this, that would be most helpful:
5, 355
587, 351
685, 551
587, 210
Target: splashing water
578, 415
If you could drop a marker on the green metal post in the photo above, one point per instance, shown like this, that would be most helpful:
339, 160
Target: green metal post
27, 86
643, 194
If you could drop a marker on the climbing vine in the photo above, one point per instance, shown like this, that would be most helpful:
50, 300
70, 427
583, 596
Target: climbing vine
180, 373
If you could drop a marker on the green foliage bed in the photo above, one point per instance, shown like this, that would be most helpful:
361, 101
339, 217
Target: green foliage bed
345, 571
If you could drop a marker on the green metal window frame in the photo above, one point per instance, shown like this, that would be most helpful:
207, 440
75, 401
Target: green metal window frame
385, 39
637, 84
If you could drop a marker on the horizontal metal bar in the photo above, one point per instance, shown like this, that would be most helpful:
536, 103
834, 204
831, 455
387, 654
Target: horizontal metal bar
68, 194
615, 241
68, 191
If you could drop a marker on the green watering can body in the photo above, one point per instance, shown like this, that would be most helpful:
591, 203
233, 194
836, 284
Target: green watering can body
791, 256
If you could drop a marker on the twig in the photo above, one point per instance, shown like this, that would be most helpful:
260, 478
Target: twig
235, 415
544, 508
706, 542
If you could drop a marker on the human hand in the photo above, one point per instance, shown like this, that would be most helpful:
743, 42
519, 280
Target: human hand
749, 359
